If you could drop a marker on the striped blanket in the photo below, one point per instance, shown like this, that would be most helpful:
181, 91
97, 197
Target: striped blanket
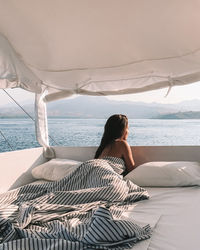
80, 211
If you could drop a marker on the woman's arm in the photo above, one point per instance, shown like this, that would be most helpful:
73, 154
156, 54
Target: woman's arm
127, 156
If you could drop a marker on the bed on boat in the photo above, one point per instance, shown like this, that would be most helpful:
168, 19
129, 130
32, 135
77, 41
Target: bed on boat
101, 48
172, 210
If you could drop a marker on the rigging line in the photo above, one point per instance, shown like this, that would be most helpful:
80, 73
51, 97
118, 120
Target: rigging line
26, 112
18, 105
6, 140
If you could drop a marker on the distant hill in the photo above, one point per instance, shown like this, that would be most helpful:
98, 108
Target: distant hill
102, 107
15, 112
180, 115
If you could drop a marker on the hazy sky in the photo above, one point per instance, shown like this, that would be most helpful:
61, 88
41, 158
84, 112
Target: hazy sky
177, 94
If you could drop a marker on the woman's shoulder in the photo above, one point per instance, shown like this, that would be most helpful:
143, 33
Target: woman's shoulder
122, 146
122, 143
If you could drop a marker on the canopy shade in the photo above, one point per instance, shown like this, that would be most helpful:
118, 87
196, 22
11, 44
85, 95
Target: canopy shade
99, 47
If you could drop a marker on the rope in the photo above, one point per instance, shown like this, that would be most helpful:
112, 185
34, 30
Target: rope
26, 112
19, 105
6, 140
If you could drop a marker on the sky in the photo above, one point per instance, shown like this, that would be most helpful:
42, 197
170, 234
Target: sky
177, 94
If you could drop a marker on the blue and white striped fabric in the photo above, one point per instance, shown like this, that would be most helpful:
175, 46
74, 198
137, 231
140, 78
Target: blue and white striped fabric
80, 211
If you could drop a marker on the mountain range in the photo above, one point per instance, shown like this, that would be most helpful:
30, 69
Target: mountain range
102, 107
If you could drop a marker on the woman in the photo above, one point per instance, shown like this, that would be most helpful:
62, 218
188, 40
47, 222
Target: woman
113, 142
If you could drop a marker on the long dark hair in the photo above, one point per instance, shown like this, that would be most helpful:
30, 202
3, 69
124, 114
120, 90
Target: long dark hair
113, 129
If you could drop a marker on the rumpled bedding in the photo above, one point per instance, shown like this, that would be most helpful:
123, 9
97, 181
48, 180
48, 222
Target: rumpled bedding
80, 211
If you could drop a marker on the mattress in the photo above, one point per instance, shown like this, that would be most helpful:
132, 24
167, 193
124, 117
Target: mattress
78, 211
174, 214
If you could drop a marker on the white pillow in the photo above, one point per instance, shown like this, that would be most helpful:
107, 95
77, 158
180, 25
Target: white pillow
55, 169
171, 174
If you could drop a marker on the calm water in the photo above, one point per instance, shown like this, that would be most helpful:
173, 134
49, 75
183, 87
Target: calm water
87, 132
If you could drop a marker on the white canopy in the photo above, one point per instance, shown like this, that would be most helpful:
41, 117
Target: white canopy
96, 47
99, 47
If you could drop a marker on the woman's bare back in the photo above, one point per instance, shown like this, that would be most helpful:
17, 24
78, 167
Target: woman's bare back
121, 149
114, 150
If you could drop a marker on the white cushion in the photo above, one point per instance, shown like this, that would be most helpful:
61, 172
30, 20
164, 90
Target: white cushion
171, 174
55, 169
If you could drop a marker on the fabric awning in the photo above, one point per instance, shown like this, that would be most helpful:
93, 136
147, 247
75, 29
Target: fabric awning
64, 47
98, 47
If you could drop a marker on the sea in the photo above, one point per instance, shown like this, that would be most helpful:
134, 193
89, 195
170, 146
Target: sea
17, 134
